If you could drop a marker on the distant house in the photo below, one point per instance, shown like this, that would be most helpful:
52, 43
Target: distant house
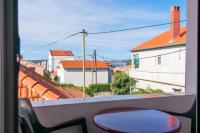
39, 69
124, 69
160, 61
71, 71
55, 56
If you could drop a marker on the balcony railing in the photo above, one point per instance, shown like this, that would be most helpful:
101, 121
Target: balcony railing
53, 112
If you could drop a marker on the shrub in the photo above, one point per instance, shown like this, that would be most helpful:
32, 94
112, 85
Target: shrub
92, 89
121, 91
138, 92
89, 92
100, 87
148, 90
121, 83
46, 74
157, 90
66, 85
56, 78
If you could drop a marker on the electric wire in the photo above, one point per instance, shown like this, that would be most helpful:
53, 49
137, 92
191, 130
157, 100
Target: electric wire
135, 28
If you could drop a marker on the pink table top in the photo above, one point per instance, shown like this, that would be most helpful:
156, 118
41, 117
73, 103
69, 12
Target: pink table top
136, 120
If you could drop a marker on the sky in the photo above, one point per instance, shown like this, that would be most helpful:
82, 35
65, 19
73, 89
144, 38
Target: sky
45, 21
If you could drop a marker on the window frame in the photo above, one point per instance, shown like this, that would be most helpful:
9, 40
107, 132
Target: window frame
135, 56
9, 48
159, 60
9, 67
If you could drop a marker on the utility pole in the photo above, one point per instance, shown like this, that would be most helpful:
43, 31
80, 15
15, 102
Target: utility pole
46, 65
95, 65
92, 67
83, 45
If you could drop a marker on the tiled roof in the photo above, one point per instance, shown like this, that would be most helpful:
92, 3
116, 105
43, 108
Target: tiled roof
163, 40
70, 64
34, 86
61, 52
74, 91
38, 68
125, 68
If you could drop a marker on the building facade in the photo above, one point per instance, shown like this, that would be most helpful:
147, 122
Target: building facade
71, 72
55, 56
160, 62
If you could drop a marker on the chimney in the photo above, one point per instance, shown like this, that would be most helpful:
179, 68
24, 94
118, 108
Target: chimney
175, 22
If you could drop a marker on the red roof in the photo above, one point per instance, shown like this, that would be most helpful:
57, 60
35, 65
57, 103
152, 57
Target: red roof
163, 40
61, 52
70, 64
35, 87
125, 68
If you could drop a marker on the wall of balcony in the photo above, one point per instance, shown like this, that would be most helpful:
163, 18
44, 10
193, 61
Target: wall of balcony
57, 111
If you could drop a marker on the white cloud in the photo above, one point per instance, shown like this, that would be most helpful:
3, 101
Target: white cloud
41, 22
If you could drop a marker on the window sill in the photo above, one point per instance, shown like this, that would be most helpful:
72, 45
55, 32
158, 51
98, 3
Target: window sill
99, 99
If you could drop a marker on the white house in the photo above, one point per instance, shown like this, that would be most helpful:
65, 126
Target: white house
124, 69
160, 62
55, 56
71, 71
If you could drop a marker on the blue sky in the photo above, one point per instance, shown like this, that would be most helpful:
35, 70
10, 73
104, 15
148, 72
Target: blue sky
44, 21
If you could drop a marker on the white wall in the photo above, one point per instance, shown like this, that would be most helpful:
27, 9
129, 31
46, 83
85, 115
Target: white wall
50, 63
171, 70
75, 76
141, 84
54, 61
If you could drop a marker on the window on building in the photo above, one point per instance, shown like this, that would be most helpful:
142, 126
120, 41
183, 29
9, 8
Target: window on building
137, 61
159, 60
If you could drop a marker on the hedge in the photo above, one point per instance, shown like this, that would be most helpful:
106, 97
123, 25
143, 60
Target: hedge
66, 85
148, 90
92, 89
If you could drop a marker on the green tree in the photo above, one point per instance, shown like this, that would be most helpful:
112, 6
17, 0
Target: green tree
47, 74
121, 83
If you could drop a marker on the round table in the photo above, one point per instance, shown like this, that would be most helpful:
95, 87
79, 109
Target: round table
136, 120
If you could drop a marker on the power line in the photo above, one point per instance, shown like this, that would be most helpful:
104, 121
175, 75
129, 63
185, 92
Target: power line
135, 28
144, 57
58, 58
54, 42
159, 72
64, 38
105, 32
163, 54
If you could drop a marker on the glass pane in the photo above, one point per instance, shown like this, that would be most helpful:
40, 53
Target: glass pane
75, 49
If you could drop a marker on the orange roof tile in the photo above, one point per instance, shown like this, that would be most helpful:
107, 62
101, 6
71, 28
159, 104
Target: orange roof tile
163, 40
40, 89
75, 91
61, 52
33, 86
70, 64
125, 68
